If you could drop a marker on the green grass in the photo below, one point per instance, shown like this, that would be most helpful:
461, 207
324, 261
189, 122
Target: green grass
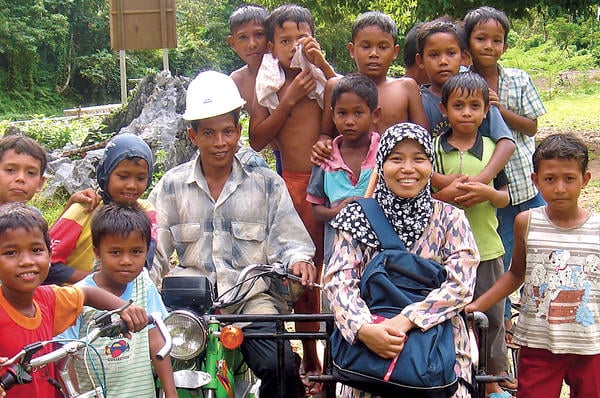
572, 113
51, 207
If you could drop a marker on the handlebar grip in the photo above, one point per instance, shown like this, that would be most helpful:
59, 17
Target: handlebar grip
10, 378
156, 319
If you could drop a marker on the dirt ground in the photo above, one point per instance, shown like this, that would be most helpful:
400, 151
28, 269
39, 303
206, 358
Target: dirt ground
590, 197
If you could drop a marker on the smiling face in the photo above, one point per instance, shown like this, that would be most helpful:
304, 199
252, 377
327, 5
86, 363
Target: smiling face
465, 111
285, 39
216, 138
560, 182
249, 41
128, 181
20, 177
121, 260
441, 58
24, 261
486, 43
373, 51
407, 169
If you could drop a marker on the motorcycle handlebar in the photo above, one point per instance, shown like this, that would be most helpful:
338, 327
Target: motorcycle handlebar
164, 332
251, 273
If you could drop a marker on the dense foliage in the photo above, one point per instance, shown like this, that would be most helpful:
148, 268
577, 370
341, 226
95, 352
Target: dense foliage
56, 53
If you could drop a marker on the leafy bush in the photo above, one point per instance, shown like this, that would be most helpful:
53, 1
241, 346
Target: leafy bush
55, 134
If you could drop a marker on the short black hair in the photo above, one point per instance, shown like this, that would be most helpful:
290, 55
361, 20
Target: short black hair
121, 220
285, 13
564, 147
247, 13
234, 113
19, 215
465, 82
358, 84
410, 46
375, 18
23, 144
440, 25
482, 15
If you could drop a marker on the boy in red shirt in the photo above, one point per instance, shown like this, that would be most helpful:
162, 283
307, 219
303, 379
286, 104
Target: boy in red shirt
30, 312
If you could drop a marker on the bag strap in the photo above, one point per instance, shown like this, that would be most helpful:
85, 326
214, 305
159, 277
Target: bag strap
385, 232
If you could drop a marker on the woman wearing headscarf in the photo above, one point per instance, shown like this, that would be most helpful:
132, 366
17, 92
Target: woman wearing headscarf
123, 175
429, 228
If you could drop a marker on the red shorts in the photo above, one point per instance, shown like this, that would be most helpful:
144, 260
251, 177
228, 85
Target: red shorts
309, 302
541, 374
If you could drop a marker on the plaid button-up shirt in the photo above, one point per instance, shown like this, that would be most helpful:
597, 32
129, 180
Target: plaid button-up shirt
252, 221
517, 93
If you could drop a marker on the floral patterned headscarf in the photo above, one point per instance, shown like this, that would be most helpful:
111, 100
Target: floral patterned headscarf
409, 216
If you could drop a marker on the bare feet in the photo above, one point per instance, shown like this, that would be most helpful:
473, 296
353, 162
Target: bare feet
311, 365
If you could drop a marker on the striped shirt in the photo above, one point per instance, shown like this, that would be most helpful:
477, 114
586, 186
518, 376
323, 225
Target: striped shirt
561, 296
128, 368
518, 94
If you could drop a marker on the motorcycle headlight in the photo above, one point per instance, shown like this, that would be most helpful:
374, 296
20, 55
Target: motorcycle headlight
188, 332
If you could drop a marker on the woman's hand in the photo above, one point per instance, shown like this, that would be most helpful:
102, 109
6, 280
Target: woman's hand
382, 338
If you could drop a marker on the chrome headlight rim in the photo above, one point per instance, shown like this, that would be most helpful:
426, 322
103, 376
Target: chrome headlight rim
197, 329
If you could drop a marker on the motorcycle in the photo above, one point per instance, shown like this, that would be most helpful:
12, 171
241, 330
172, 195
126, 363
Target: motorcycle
205, 351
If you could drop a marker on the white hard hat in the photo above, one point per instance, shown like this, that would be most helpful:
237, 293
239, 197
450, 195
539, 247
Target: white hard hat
211, 94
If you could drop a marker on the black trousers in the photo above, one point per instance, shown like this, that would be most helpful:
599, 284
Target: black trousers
261, 357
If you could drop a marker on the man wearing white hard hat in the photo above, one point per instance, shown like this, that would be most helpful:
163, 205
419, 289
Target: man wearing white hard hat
221, 214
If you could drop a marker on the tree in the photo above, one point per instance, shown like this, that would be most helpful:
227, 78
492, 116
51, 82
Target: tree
576, 8
33, 43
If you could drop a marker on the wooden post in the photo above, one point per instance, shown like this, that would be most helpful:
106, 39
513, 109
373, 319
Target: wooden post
121, 46
123, 72
163, 33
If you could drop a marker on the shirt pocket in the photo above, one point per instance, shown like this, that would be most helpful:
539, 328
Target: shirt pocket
248, 231
248, 243
187, 233
189, 241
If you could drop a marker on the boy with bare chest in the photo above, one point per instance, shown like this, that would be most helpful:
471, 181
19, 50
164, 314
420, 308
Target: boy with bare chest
291, 111
288, 107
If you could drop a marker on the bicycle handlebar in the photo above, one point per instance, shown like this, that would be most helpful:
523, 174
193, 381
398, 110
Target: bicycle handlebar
113, 329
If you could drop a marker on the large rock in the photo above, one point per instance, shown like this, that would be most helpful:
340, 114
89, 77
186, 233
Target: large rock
159, 122
153, 113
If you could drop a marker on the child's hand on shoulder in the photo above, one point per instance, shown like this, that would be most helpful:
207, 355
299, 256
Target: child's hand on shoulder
135, 317
87, 198
494, 99
441, 181
321, 151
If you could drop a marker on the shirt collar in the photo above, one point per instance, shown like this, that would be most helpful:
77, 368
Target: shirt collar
338, 161
476, 149
195, 174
